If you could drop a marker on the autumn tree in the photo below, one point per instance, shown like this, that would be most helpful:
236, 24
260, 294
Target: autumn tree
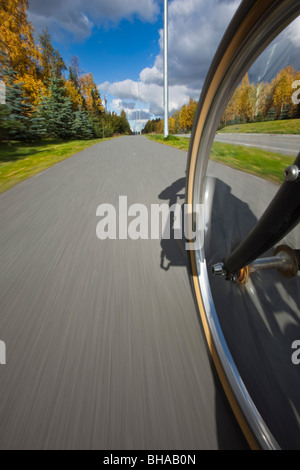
52, 63
17, 43
73, 93
172, 125
263, 99
245, 101
187, 115
150, 127
282, 91
231, 109
159, 126
91, 94
176, 117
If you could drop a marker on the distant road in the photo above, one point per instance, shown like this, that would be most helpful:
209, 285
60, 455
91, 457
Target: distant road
284, 144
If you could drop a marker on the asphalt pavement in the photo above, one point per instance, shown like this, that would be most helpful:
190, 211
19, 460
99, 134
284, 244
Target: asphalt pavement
103, 341
275, 143
283, 144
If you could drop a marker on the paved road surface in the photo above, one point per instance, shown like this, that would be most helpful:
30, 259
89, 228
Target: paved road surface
104, 346
285, 144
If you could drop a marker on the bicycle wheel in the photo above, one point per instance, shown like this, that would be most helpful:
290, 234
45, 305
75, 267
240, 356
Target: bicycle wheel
255, 25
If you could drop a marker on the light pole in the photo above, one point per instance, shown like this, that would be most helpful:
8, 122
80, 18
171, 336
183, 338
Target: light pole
140, 129
166, 85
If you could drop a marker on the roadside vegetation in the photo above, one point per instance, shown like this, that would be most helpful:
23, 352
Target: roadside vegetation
275, 105
42, 97
262, 163
181, 143
19, 161
289, 126
49, 110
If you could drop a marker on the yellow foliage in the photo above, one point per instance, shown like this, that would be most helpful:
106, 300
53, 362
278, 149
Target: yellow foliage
73, 94
90, 93
159, 127
17, 42
187, 115
283, 90
245, 100
172, 125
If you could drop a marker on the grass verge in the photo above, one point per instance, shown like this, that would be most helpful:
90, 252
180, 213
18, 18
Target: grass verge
19, 161
289, 126
181, 143
267, 165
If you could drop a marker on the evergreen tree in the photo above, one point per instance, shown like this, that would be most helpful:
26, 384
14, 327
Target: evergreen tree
15, 114
38, 130
82, 127
271, 116
57, 111
120, 123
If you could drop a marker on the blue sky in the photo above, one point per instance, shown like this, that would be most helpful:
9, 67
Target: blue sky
116, 53
120, 43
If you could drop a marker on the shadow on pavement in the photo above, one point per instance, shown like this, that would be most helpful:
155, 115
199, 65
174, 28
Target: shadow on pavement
173, 250
173, 254
260, 320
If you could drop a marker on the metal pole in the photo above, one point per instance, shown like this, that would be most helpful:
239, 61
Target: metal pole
166, 91
140, 129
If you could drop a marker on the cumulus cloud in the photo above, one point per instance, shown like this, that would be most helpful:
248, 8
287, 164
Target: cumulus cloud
78, 17
293, 32
283, 51
150, 93
195, 30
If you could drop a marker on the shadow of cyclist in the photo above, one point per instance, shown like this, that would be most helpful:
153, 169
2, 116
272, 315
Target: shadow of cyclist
173, 246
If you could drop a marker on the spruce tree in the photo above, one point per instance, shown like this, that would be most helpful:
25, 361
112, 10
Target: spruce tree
57, 111
15, 114
81, 126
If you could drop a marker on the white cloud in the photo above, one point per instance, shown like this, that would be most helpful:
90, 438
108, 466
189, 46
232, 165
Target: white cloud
195, 29
283, 51
151, 94
293, 32
78, 17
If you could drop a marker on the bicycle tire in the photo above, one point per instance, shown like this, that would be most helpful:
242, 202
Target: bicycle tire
251, 30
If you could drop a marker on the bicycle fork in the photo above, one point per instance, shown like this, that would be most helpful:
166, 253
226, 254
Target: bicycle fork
281, 216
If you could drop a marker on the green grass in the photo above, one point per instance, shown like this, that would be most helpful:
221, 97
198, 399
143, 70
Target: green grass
289, 126
19, 161
181, 143
267, 165
262, 163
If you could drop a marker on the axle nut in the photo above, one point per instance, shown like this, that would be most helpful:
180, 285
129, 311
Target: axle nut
291, 173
